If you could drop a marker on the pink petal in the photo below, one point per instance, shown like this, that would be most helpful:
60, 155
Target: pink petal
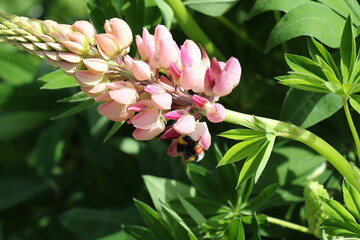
199, 101
88, 78
153, 89
186, 59
70, 57
74, 47
161, 32
146, 119
124, 95
175, 115
233, 68
106, 44
209, 82
162, 101
94, 91
147, 134
114, 111
169, 53
96, 65
170, 133
202, 135
141, 48
121, 30
172, 150
85, 28
223, 85
193, 50
141, 70
185, 124
215, 113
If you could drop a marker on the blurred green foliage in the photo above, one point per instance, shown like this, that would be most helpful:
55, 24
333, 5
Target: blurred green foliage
60, 180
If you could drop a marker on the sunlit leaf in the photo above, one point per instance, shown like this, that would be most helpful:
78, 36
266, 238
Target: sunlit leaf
212, 8
241, 134
355, 102
57, 80
261, 6
347, 50
166, 12
352, 199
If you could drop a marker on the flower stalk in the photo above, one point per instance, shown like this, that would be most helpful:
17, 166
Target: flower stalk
296, 133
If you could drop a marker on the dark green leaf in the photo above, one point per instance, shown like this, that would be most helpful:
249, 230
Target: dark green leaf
310, 19
355, 102
241, 150
261, 197
78, 108
85, 222
234, 231
260, 218
352, 199
139, 232
194, 213
261, 6
164, 190
347, 50
57, 80
109, 8
153, 221
15, 190
13, 125
116, 126
77, 97
135, 15
242, 134
212, 8
166, 12
97, 16
180, 230
308, 108
244, 191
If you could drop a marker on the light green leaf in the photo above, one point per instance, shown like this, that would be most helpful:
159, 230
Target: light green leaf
309, 19
260, 198
153, 221
78, 108
57, 80
265, 158
241, 150
316, 50
164, 190
337, 212
300, 64
166, 12
194, 213
234, 231
77, 97
13, 125
347, 51
242, 134
15, 190
116, 126
355, 102
254, 160
261, 6
352, 199
340, 7
303, 82
212, 8
355, 9
119, 235
328, 71
308, 108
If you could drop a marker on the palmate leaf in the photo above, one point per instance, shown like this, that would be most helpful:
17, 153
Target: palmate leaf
57, 80
300, 64
341, 7
308, 19
212, 8
242, 134
261, 6
355, 102
347, 51
352, 199
303, 82
234, 231
194, 213
261, 197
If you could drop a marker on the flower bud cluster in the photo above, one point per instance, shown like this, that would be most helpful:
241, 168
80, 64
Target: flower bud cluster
167, 91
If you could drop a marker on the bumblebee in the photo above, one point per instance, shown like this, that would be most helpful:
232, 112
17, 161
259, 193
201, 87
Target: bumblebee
189, 149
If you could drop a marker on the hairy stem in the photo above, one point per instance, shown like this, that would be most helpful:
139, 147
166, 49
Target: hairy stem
291, 131
192, 29
287, 224
352, 126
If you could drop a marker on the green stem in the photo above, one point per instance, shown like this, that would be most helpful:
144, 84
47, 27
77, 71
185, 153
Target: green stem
288, 225
288, 130
352, 126
192, 29
240, 33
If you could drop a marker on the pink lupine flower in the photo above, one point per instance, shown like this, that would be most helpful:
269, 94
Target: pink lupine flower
146, 119
115, 111
141, 70
120, 30
107, 46
96, 65
123, 92
159, 97
88, 78
147, 134
94, 91
85, 28
175, 115
202, 135
215, 112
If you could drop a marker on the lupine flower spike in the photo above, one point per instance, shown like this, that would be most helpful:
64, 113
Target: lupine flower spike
167, 92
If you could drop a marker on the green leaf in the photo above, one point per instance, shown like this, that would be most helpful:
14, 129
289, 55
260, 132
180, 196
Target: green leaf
119, 235
135, 15
310, 19
180, 230
303, 82
153, 221
85, 222
241, 150
352, 199
97, 16
328, 71
304, 65
254, 161
260, 218
355, 9
265, 158
77, 97
261, 197
13, 125
15, 190
355, 102
109, 9
57, 80
166, 12
261, 6
244, 191
78, 108
234, 231
316, 50
164, 190
347, 51
308, 108
194, 213
242, 134
340, 7
212, 8
116, 126
139, 232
